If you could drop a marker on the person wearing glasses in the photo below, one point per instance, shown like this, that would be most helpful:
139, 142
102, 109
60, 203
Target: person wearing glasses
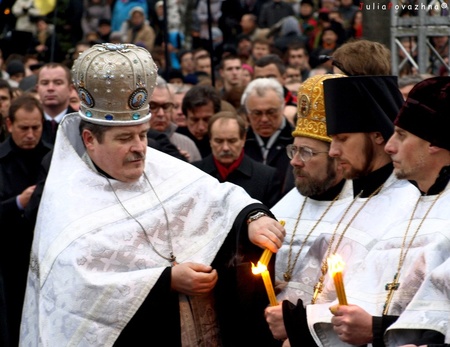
359, 113
162, 107
272, 66
269, 132
319, 187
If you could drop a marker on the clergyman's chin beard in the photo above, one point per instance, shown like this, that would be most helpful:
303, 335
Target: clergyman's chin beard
315, 187
400, 174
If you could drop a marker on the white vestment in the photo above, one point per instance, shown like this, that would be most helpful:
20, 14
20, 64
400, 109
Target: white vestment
92, 265
363, 225
305, 273
418, 307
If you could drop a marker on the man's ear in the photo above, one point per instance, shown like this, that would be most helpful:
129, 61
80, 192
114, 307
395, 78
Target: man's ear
434, 149
379, 139
88, 138
8, 124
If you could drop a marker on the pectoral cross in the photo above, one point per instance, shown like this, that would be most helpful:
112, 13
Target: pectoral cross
319, 285
317, 290
391, 287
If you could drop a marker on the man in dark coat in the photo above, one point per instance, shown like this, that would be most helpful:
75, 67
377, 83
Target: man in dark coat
20, 157
228, 161
269, 132
54, 86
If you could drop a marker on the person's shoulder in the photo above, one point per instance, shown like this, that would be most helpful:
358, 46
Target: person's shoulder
204, 163
259, 168
5, 148
291, 198
183, 138
156, 135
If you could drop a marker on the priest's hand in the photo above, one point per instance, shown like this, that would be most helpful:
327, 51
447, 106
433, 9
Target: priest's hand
274, 317
193, 278
352, 324
266, 232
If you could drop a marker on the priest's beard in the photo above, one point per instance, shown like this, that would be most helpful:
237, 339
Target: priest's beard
365, 166
312, 186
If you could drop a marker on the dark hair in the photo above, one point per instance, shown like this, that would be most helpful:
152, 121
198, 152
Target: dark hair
4, 84
295, 46
174, 73
97, 130
271, 59
242, 37
27, 102
183, 52
226, 57
234, 95
200, 95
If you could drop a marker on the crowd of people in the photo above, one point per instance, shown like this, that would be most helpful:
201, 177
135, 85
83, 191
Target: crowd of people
138, 188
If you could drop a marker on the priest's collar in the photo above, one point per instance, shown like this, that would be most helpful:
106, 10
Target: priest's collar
440, 183
368, 184
87, 159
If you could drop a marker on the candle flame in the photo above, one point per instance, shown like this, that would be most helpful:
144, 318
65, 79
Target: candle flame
335, 264
260, 268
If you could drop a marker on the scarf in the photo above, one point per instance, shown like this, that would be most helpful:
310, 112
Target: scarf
224, 171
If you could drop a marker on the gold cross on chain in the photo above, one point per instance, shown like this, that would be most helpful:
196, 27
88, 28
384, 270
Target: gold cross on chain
391, 287
317, 290
319, 285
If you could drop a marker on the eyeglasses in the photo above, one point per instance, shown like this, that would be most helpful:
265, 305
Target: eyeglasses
306, 153
270, 113
167, 106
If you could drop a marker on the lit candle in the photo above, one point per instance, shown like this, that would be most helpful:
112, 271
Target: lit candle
335, 268
262, 269
265, 257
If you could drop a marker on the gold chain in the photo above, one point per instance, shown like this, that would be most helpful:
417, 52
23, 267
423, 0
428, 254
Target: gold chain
394, 285
324, 268
171, 258
290, 268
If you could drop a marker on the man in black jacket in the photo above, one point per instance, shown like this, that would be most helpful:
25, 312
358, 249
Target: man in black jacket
228, 162
54, 86
20, 157
269, 132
